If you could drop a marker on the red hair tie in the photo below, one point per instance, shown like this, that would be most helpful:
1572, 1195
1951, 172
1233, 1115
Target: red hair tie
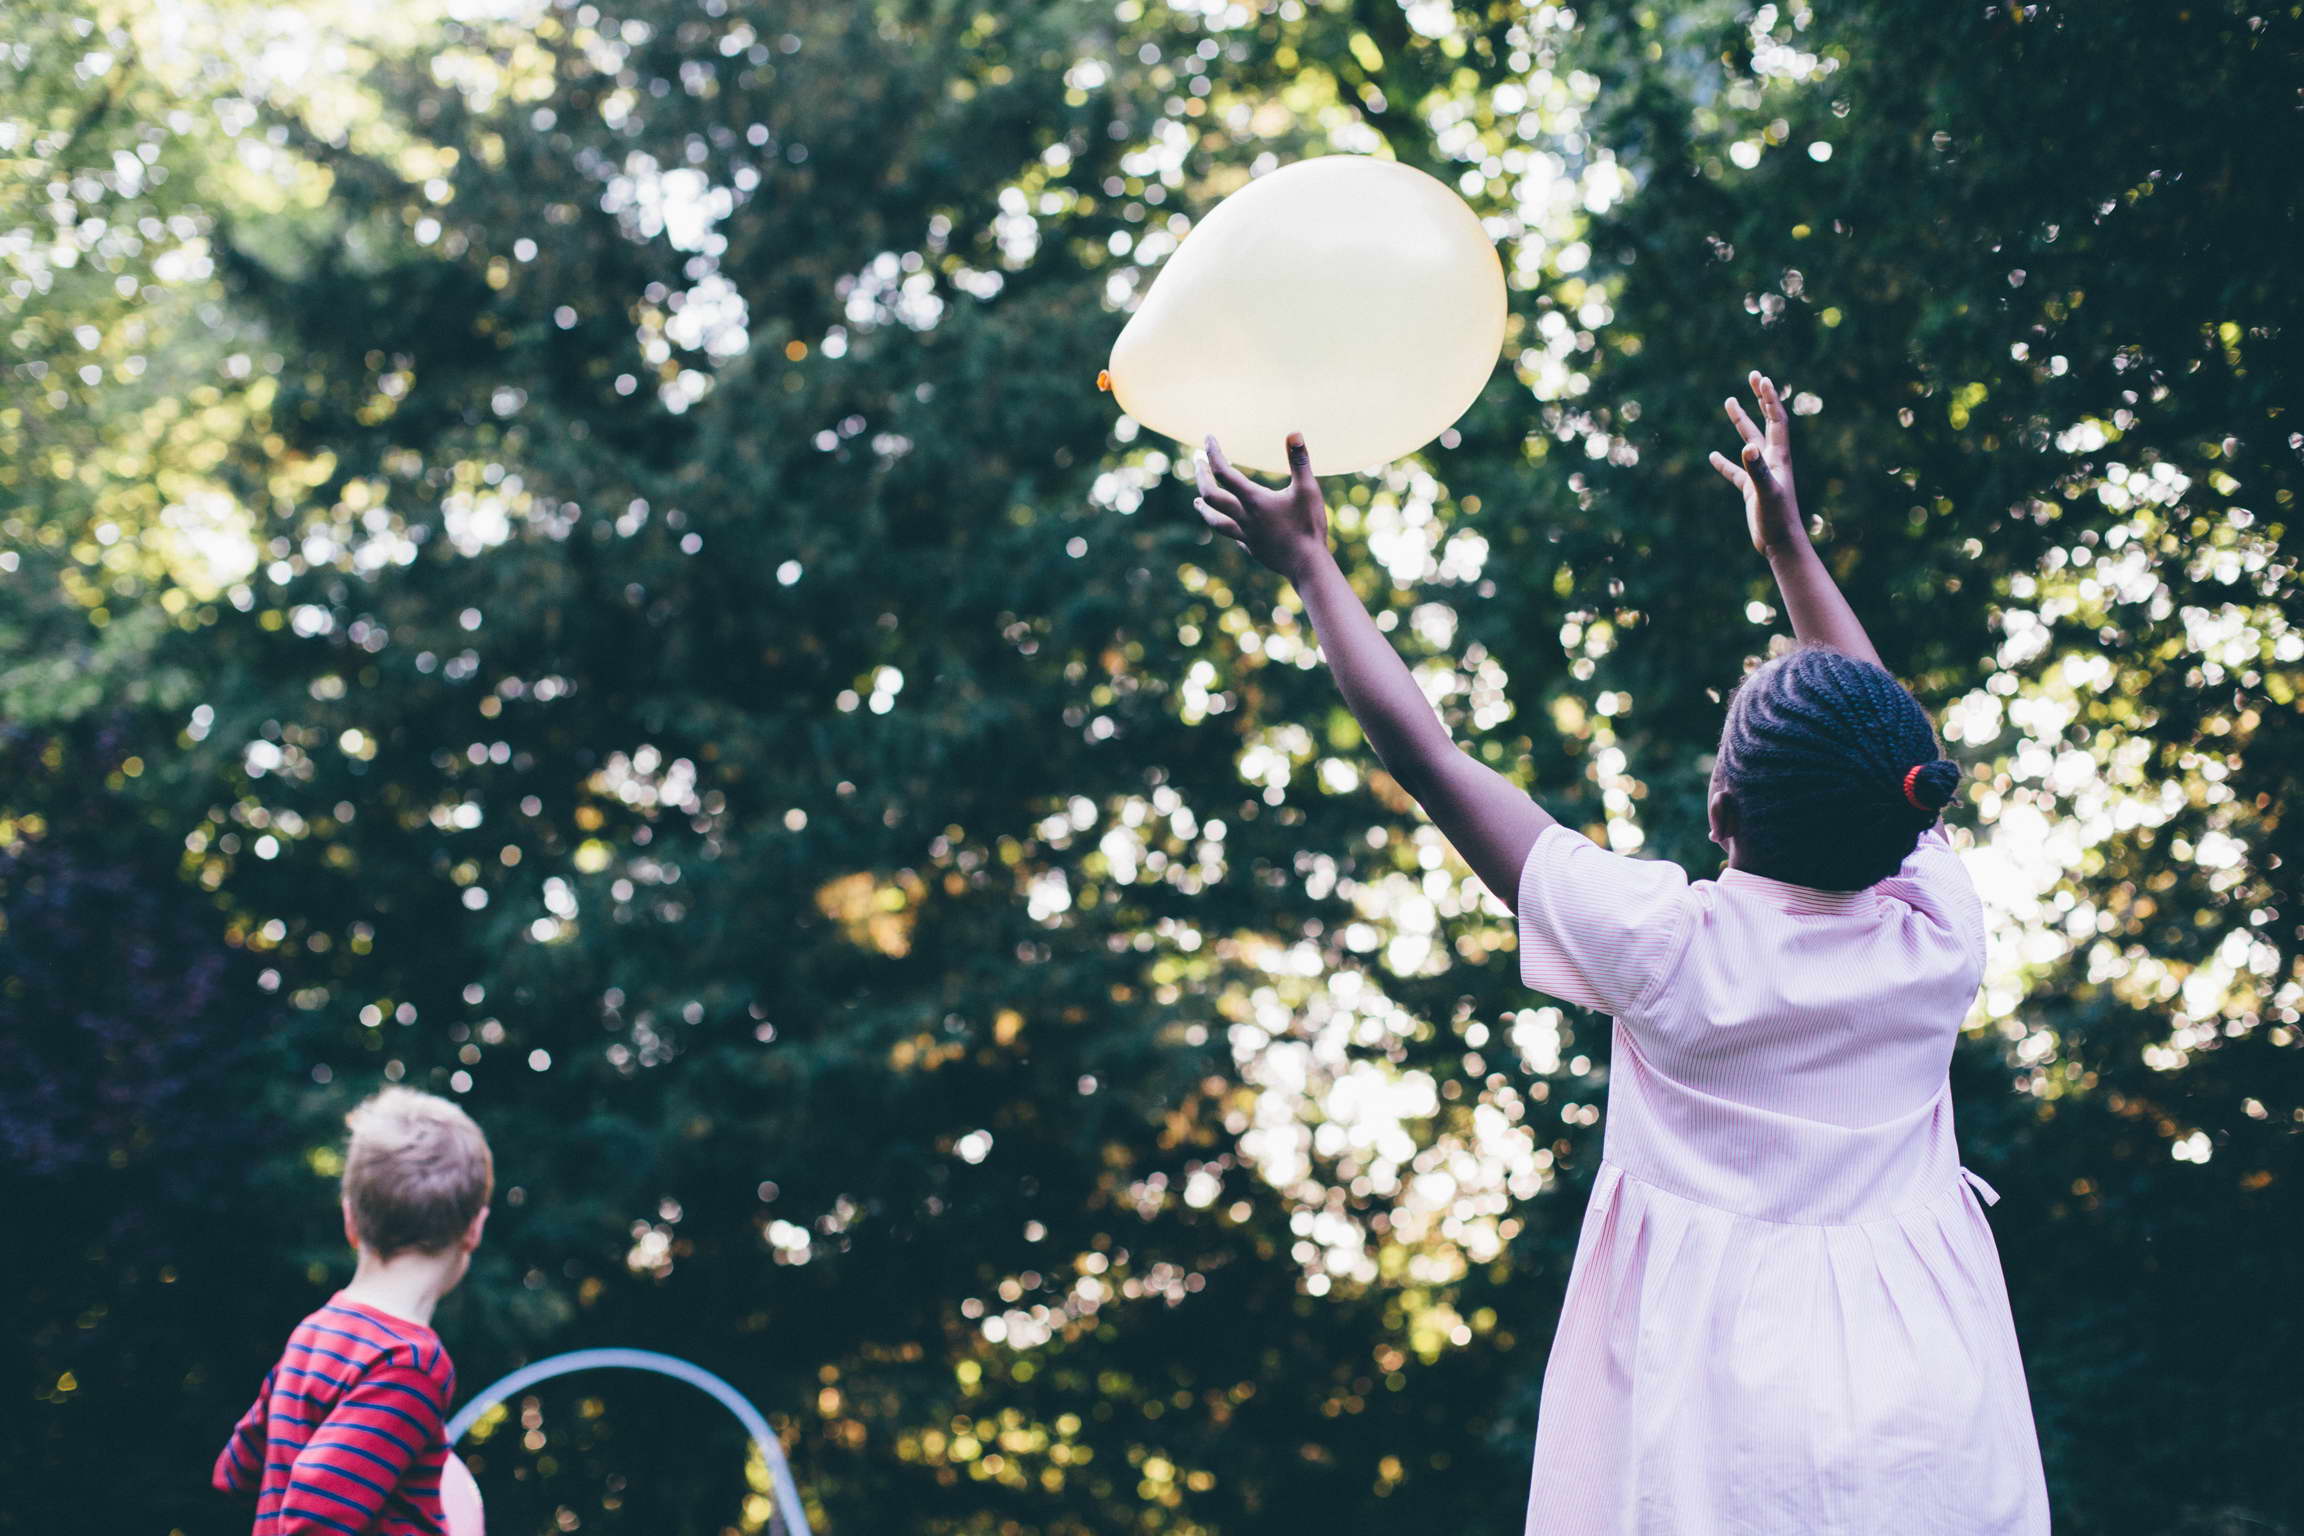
1909, 775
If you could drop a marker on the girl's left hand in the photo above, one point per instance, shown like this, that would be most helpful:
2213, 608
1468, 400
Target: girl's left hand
1286, 528
1763, 472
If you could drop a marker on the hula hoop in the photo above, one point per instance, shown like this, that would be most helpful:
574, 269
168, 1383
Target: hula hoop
789, 1512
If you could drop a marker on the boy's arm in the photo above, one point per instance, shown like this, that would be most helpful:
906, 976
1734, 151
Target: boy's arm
372, 1442
1763, 473
240, 1465
1489, 821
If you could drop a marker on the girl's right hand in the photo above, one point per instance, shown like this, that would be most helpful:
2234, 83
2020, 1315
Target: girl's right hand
1284, 527
1764, 475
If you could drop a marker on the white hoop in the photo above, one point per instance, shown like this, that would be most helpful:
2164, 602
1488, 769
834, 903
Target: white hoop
789, 1512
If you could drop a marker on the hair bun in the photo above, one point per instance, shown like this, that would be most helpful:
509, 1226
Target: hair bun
1929, 786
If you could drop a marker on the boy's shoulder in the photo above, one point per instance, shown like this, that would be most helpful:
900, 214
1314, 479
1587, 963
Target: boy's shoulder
362, 1339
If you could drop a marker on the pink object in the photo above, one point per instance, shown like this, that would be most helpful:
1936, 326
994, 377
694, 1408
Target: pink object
460, 1498
1786, 1312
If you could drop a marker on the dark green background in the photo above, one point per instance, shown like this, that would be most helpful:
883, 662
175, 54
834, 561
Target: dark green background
2031, 217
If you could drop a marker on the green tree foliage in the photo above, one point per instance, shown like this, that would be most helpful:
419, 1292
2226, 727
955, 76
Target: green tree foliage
133, 1038
717, 691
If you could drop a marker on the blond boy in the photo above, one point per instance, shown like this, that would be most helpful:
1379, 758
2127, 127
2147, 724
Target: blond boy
345, 1437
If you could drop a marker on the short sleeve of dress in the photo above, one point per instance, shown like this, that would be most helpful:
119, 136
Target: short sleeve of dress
1598, 929
1932, 882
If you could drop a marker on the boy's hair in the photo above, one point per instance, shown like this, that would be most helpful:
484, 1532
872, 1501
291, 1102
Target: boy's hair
1816, 751
416, 1172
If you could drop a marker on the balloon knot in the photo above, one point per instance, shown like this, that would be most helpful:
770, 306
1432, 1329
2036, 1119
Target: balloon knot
1104, 380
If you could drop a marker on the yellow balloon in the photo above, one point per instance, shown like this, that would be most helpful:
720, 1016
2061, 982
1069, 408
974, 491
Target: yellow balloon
1355, 300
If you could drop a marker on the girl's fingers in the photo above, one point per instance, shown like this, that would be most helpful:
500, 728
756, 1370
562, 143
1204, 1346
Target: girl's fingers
1744, 427
1201, 476
1756, 466
1300, 463
1225, 502
1772, 407
1220, 522
1223, 499
1764, 390
1226, 476
1730, 473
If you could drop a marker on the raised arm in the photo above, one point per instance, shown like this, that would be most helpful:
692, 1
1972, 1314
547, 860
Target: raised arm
1489, 821
1763, 472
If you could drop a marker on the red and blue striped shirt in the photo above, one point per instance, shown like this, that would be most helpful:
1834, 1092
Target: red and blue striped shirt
346, 1436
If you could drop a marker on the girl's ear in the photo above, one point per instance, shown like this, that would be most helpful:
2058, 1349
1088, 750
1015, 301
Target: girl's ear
1721, 810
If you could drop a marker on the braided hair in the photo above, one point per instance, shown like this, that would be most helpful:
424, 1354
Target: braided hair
1834, 769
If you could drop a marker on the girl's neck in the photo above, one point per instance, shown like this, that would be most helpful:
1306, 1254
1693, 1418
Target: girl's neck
407, 1285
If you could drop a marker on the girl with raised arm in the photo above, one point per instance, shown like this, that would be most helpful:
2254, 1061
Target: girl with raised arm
1786, 1313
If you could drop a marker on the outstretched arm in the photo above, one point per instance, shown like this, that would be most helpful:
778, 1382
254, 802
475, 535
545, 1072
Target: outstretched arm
1491, 823
1763, 473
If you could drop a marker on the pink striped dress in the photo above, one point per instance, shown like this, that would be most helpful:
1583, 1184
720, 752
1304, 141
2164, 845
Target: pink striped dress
1786, 1314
